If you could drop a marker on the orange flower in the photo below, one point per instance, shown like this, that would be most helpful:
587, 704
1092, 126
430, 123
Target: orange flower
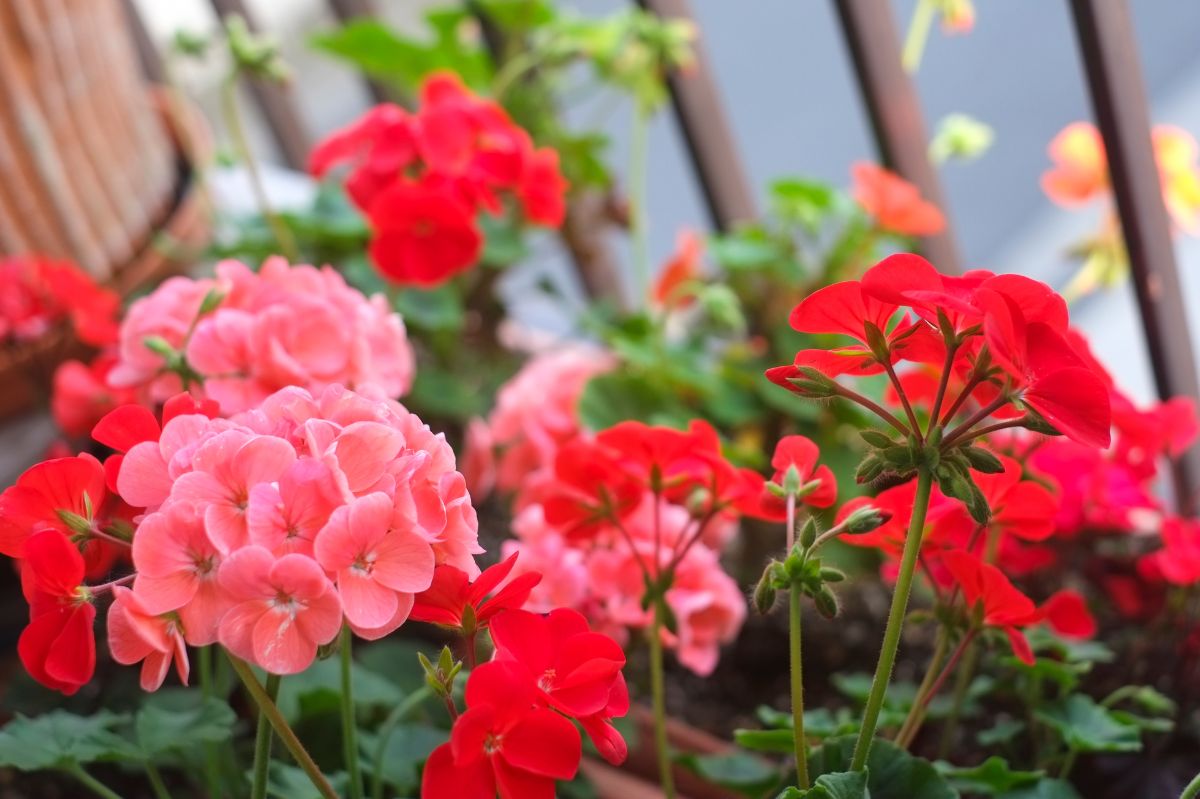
895, 204
958, 16
1080, 171
671, 289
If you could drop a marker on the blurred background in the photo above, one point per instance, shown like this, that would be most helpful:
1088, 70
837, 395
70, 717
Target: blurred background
796, 111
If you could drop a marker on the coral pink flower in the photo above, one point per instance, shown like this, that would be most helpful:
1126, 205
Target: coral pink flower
63, 494
58, 648
283, 609
135, 636
177, 569
504, 743
225, 469
285, 516
671, 288
378, 566
895, 203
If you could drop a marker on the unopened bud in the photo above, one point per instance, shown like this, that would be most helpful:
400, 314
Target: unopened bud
791, 480
764, 592
808, 534
826, 602
866, 519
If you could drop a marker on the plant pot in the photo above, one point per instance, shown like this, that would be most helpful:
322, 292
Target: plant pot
26, 369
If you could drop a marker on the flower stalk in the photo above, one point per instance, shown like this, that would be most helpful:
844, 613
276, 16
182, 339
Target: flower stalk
349, 722
659, 693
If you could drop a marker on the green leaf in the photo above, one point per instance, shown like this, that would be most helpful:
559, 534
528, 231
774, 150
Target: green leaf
503, 242
804, 202
1046, 789
747, 249
893, 773
318, 688
1001, 732
616, 396
408, 746
842, 785
1087, 727
1042, 639
989, 778
179, 719
738, 771
60, 739
434, 309
774, 741
290, 782
377, 50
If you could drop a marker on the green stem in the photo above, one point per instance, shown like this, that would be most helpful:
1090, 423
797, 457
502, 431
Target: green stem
349, 723
1192, 790
233, 120
262, 743
638, 150
93, 784
800, 743
1068, 764
895, 621
962, 685
156, 781
659, 691
908, 730
918, 35
398, 714
266, 706
212, 765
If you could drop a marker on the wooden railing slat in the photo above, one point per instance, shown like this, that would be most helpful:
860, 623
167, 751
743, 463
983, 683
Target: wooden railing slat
711, 146
895, 112
1118, 93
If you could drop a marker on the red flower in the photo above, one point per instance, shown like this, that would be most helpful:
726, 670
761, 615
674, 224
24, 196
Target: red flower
445, 601
798, 453
39, 292
542, 189
424, 234
1067, 612
81, 395
123, 427
1178, 562
671, 288
58, 648
1023, 508
578, 672
63, 494
379, 146
504, 742
895, 203
590, 489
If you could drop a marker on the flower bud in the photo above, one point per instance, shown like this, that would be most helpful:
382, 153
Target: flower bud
866, 519
960, 137
813, 383
791, 480
808, 534
765, 592
826, 602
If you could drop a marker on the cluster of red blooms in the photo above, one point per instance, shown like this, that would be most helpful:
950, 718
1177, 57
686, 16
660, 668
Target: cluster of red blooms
968, 358
37, 293
422, 178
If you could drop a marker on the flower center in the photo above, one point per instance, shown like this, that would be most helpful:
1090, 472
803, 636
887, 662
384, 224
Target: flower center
547, 680
492, 743
365, 563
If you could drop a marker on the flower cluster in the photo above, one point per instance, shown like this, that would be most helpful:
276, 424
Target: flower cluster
421, 178
265, 531
516, 736
630, 524
39, 293
243, 335
893, 203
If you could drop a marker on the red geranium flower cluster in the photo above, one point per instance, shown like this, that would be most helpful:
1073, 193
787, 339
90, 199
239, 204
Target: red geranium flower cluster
422, 178
516, 737
37, 293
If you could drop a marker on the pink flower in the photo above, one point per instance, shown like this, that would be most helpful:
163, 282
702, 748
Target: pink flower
285, 516
149, 469
283, 609
537, 412
177, 568
225, 469
379, 566
543, 549
134, 636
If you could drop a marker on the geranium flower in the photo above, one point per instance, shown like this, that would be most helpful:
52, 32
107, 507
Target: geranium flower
136, 636
1178, 562
671, 287
542, 189
800, 454
504, 742
282, 610
378, 147
285, 516
446, 600
591, 488
577, 671
62, 494
1023, 508
80, 395
894, 203
378, 566
424, 234
58, 648
40, 292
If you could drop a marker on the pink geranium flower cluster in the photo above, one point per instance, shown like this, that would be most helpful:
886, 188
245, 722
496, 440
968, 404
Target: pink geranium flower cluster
243, 335
264, 532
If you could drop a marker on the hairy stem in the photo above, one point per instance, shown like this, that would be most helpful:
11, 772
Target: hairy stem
800, 744
212, 765
908, 730
962, 685
262, 743
659, 692
267, 708
895, 621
